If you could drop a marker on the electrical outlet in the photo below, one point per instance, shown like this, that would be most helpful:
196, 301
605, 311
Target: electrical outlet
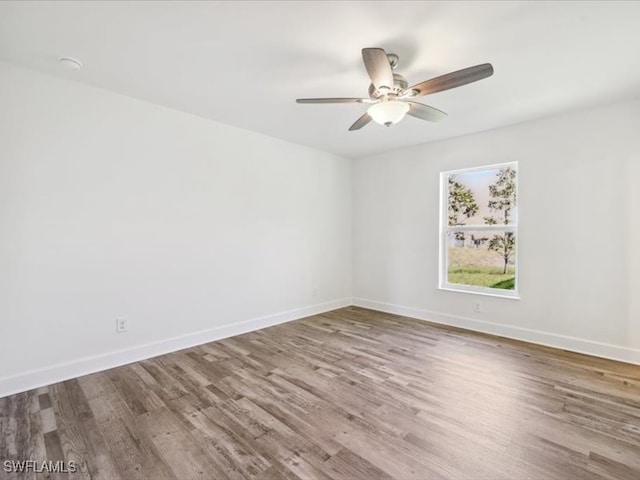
121, 325
477, 307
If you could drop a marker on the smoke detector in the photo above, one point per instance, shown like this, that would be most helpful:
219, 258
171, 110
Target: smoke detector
70, 63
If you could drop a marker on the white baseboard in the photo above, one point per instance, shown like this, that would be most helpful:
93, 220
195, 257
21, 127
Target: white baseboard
84, 366
580, 345
87, 365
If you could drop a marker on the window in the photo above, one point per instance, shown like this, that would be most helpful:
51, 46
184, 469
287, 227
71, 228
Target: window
479, 230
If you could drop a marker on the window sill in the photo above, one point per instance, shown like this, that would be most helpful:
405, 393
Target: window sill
510, 295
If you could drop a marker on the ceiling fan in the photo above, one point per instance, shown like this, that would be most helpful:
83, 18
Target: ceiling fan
389, 97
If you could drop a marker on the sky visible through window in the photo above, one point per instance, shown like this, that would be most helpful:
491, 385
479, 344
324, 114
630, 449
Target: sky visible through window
478, 182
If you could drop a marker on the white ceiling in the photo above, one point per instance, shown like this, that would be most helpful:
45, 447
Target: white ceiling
244, 63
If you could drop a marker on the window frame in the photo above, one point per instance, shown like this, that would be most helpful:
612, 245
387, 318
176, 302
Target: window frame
445, 228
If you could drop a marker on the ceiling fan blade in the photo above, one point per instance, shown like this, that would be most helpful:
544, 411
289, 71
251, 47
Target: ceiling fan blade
453, 79
361, 122
425, 112
331, 100
378, 67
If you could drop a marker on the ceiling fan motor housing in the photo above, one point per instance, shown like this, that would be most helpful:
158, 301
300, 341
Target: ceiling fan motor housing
399, 85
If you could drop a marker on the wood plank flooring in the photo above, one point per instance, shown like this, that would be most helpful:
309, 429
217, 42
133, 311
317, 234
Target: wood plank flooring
351, 394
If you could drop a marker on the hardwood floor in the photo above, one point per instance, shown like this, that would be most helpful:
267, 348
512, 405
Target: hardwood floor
351, 394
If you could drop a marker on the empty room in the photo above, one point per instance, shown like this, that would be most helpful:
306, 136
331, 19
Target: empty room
333, 240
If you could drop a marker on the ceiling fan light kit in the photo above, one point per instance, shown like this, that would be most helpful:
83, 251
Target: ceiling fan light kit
389, 112
391, 99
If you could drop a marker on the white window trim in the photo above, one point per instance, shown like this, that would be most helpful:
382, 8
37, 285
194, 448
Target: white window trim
445, 228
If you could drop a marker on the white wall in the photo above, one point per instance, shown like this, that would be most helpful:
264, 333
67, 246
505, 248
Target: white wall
633, 262
579, 231
111, 206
